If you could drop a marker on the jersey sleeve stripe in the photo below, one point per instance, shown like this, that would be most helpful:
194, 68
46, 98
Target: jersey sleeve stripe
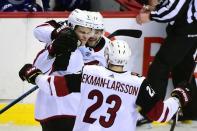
165, 115
49, 81
60, 86
45, 24
95, 62
156, 111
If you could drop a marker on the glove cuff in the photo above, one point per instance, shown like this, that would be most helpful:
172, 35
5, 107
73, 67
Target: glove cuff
182, 95
32, 78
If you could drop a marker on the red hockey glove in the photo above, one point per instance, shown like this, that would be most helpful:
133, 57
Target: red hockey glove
29, 73
182, 92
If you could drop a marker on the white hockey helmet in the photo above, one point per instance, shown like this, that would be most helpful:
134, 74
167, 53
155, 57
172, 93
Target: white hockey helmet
118, 52
98, 22
81, 18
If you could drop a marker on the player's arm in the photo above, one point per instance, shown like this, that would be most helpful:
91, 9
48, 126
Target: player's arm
48, 31
154, 108
66, 41
52, 85
59, 85
167, 10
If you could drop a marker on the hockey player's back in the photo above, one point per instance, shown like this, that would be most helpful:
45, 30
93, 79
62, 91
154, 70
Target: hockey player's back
109, 96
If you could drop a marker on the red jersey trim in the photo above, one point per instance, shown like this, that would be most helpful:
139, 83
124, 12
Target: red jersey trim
95, 62
55, 117
155, 113
60, 86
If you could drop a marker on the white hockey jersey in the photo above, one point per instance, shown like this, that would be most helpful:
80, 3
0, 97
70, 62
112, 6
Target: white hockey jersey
44, 62
95, 56
47, 106
109, 99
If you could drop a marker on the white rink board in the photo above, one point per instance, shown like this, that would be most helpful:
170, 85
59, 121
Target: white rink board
18, 46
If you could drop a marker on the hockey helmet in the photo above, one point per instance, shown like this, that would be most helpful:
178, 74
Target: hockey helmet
81, 18
118, 52
98, 22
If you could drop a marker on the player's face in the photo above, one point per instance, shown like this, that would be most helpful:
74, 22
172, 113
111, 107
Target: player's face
83, 33
93, 40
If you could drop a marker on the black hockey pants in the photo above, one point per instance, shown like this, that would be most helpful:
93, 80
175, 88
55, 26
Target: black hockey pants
175, 59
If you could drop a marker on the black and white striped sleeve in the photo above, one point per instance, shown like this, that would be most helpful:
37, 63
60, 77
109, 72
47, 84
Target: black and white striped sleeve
167, 10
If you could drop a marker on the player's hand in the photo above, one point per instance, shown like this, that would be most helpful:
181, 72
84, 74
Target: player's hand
143, 17
29, 73
56, 31
67, 41
183, 93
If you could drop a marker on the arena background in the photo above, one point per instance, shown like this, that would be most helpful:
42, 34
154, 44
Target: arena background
18, 46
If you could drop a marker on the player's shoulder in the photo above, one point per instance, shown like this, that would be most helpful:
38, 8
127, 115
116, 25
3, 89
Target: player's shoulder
93, 68
49, 23
76, 56
136, 77
136, 74
107, 40
55, 24
103, 43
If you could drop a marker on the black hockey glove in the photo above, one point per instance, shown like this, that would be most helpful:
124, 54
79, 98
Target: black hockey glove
29, 73
67, 41
183, 93
56, 31
61, 62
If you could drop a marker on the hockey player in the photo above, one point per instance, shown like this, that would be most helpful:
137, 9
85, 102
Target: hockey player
56, 59
79, 21
109, 95
175, 57
93, 51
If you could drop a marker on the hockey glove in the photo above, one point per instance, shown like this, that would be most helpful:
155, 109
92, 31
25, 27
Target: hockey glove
61, 62
182, 92
67, 41
29, 73
56, 31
